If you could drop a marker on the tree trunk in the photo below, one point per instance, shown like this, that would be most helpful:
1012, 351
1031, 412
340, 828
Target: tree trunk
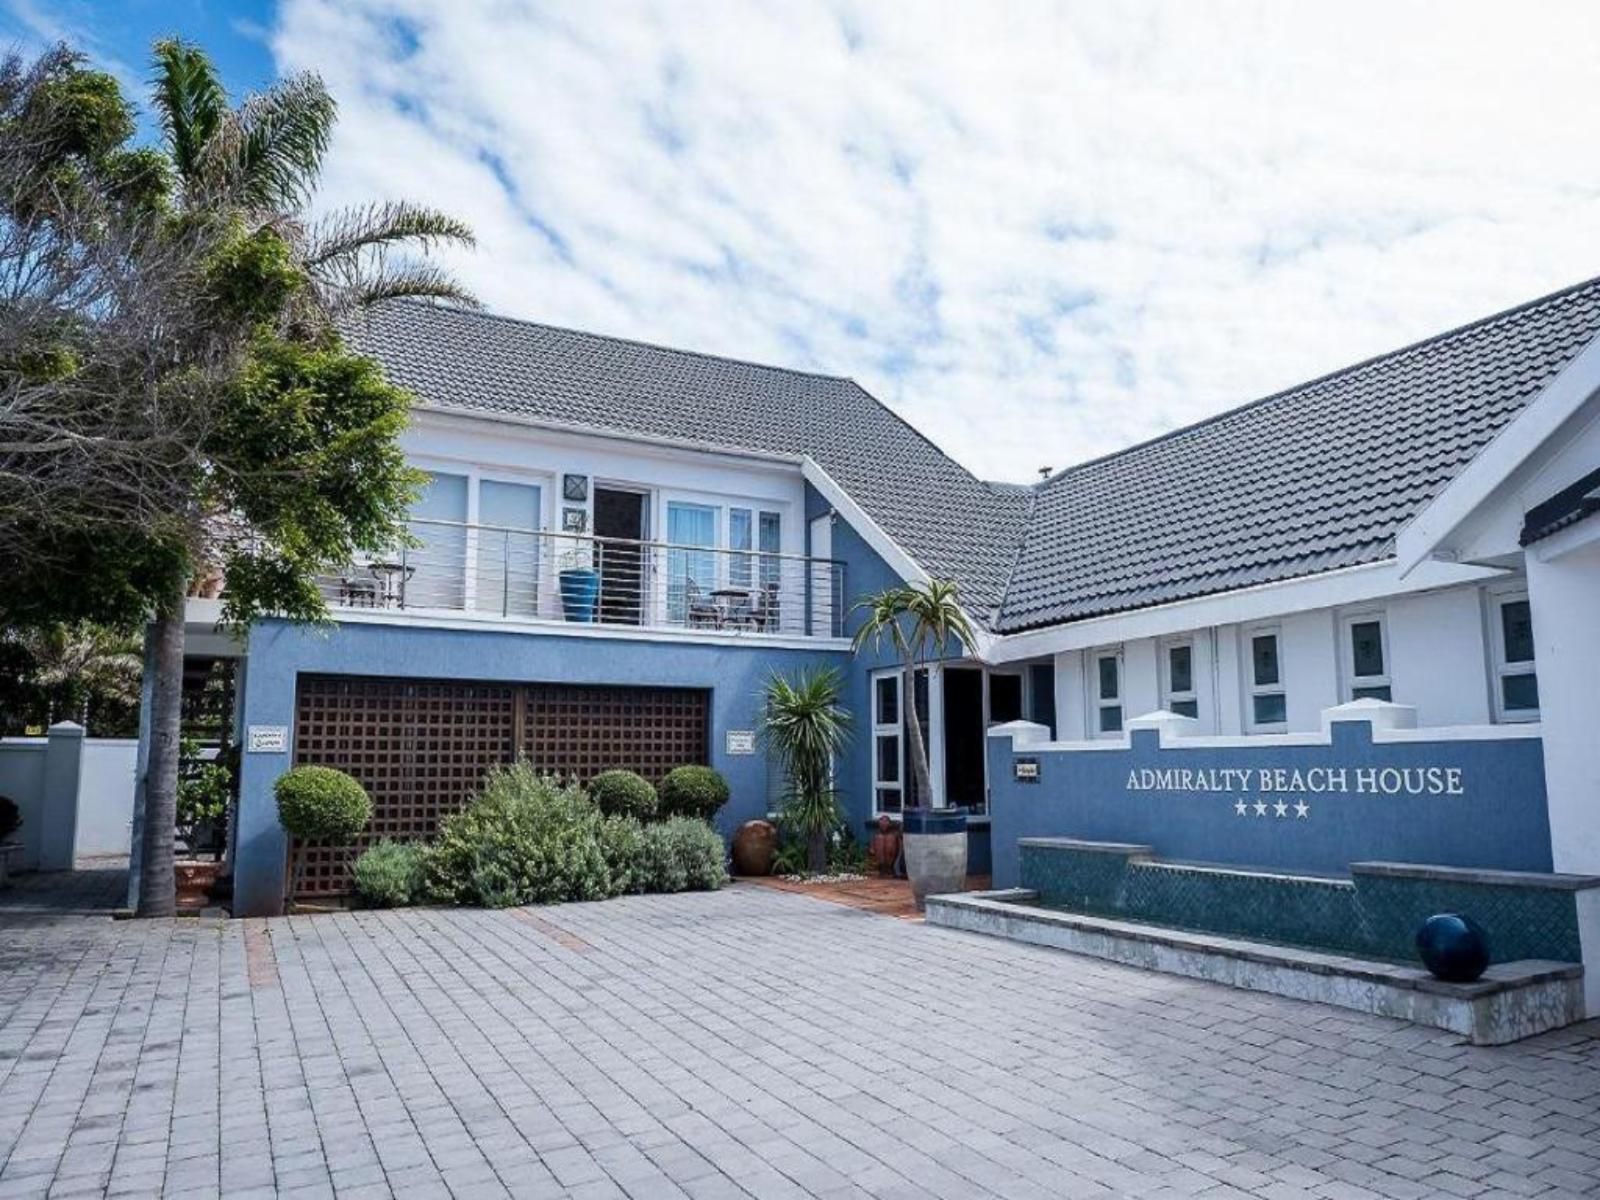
919, 748
157, 877
817, 852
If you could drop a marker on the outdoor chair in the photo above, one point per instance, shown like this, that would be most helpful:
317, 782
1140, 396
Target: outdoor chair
701, 611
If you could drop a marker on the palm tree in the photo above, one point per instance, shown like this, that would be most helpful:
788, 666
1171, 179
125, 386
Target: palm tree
82, 662
806, 727
917, 620
255, 166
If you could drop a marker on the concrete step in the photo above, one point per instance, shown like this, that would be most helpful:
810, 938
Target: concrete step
1512, 1001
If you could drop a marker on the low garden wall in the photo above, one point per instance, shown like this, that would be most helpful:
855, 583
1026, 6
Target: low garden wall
75, 794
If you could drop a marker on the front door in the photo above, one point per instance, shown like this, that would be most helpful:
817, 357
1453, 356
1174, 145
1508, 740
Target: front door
618, 531
965, 735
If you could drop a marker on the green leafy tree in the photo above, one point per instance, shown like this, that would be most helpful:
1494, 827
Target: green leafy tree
75, 668
806, 727
919, 621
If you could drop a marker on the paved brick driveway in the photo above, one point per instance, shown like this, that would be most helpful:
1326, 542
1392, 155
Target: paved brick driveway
748, 1042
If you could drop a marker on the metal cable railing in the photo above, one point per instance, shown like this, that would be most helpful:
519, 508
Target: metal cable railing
578, 578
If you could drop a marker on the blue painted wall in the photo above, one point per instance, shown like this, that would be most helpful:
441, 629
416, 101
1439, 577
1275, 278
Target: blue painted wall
1500, 820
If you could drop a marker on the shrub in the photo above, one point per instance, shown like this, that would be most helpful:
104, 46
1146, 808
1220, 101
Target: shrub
526, 839
693, 792
682, 854
319, 804
389, 874
10, 817
622, 846
623, 794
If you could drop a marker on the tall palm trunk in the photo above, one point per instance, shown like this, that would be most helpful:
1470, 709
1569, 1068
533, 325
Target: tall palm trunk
919, 748
157, 876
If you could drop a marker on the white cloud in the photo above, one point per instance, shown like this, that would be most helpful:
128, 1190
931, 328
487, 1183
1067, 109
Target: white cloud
1040, 231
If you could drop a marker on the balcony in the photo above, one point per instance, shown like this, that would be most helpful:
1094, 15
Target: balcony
578, 580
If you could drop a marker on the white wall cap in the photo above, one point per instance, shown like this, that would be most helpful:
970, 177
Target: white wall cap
1166, 723
1382, 715
65, 729
1022, 733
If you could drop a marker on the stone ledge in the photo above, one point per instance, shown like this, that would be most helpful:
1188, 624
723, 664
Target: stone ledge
1512, 1000
1057, 843
1481, 876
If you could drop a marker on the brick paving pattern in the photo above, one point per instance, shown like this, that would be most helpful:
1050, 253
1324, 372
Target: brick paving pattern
745, 1043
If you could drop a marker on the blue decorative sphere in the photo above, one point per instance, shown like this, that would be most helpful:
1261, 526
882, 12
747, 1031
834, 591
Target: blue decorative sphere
1453, 948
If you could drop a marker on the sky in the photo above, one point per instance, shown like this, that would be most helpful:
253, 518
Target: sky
1040, 232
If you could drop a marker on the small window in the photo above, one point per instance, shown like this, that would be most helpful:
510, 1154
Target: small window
1005, 698
1269, 704
1108, 693
1366, 658
1516, 681
888, 754
1178, 680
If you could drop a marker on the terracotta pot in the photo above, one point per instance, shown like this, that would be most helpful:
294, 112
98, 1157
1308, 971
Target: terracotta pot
195, 880
754, 844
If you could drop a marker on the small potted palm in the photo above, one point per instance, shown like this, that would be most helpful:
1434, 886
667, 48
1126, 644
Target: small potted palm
805, 727
921, 622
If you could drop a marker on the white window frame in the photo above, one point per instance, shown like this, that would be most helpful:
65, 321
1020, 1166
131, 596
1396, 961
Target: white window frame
1252, 689
1170, 696
1098, 703
1499, 668
1347, 653
896, 730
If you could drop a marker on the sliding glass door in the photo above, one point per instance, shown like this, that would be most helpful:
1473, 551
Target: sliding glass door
510, 515
691, 571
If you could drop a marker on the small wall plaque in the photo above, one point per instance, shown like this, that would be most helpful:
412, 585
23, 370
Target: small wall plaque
741, 741
1025, 770
267, 739
575, 487
573, 520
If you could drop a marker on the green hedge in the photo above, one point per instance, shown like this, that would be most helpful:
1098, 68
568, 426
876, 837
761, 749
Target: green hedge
692, 791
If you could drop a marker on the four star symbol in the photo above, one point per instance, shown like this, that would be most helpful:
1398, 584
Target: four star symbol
1280, 808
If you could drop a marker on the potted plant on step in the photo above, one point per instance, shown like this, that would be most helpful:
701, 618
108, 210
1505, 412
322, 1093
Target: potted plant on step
806, 727
922, 621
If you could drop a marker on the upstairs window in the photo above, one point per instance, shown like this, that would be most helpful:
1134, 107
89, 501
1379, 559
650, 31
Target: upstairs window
1178, 693
1268, 701
1366, 659
1107, 688
1516, 683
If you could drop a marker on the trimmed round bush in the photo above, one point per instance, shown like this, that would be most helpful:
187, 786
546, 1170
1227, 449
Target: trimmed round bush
389, 874
693, 792
623, 794
319, 804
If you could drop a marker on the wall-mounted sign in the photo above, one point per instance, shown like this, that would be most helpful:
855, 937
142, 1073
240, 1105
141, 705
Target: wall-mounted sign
575, 487
741, 741
573, 520
1025, 770
267, 739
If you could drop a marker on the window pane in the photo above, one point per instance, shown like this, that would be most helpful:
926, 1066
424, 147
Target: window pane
888, 758
1366, 648
691, 574
1186, 708
1516, 623
434, 574
1111, 718
889, 800
1271, 709
1264, 656
888, 709
1108, 677
1371, 693
508, 555
770, 528
1520, 692
1180, 668
1005, 698
739, 534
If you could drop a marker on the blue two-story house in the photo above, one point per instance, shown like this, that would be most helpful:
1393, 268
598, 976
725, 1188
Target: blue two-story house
619, 543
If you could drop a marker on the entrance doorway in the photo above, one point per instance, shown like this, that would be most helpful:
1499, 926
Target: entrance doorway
965, 738
619, 528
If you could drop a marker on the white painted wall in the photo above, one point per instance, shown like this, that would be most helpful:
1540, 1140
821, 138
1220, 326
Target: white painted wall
1071, 696
1438, 654
105, 796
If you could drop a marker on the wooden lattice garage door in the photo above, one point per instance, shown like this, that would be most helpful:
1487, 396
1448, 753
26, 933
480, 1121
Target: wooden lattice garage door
421, 747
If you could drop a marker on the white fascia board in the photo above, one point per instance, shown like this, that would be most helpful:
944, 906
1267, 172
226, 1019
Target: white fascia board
1348, 585
901, 563
1429, 529
657, 442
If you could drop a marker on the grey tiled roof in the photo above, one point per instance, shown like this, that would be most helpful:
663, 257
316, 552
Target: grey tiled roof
953, 524
1314, 478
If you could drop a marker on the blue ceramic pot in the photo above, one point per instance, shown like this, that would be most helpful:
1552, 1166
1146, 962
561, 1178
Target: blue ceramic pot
580, 589
1453, 948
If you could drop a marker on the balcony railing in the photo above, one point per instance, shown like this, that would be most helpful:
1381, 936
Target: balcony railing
517, 574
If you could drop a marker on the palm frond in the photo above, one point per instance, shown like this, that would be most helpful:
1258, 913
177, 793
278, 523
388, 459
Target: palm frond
190, 102
409, 280
271, 150
350, 232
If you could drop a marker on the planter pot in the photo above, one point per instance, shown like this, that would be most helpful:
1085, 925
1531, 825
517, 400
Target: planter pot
580, 590
195, 879
754, 845
935, 842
